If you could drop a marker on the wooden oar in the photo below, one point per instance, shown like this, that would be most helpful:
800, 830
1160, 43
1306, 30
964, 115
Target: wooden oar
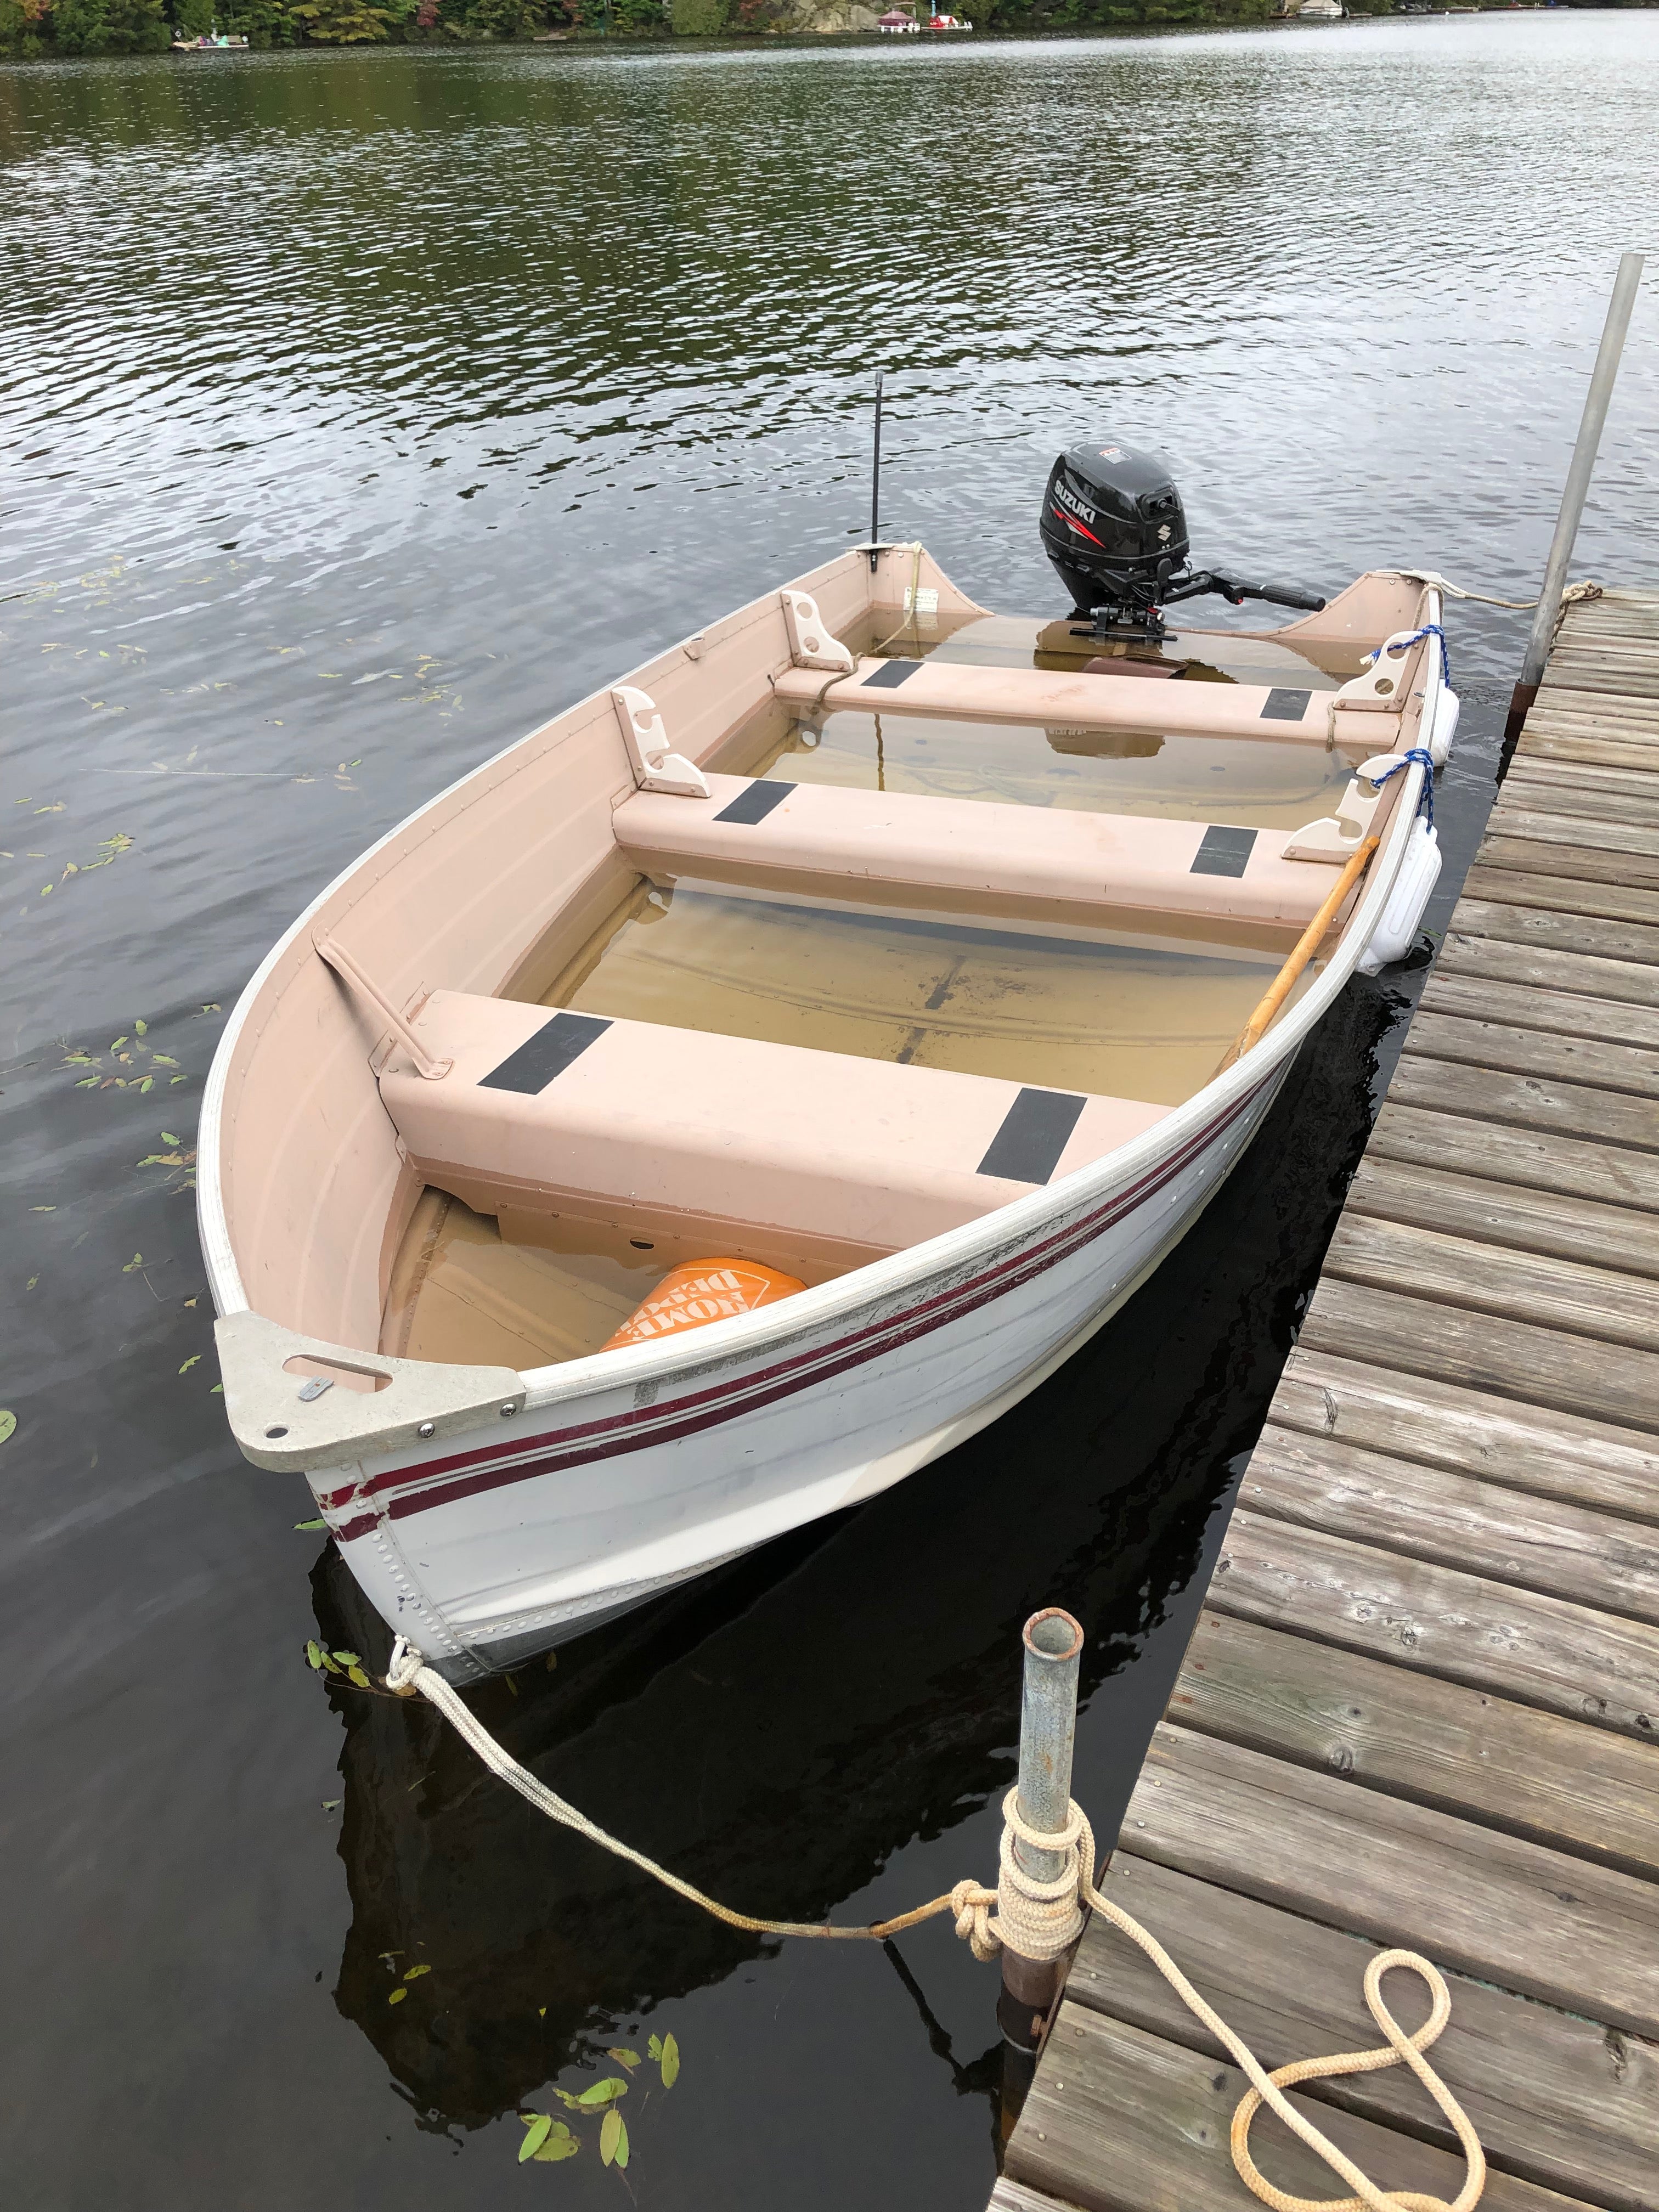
1306, 946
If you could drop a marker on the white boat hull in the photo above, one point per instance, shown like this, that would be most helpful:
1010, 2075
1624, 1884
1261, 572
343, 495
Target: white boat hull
490, 1513
483, 1551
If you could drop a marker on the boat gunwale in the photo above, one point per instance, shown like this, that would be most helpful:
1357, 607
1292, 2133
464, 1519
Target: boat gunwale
743, 1338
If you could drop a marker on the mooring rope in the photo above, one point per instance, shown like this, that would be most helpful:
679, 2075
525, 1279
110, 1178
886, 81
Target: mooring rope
1571, 594
1042, 1920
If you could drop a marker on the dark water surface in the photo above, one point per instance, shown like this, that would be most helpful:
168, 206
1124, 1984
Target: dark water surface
360, 412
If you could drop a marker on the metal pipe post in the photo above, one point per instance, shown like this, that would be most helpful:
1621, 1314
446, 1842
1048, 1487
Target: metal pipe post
875, 480
1047, 1728
1577, 488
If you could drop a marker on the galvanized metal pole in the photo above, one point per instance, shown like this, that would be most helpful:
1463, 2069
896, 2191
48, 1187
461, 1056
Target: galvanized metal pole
1047, 1728
875, 479
1577, 487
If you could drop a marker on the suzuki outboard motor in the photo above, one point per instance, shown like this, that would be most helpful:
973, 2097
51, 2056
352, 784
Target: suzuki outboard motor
1114, 527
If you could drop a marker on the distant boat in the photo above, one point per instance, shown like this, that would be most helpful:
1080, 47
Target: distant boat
215, 42
1321, 11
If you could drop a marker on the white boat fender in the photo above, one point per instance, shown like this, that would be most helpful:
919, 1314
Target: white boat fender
1447, 709
1402, 917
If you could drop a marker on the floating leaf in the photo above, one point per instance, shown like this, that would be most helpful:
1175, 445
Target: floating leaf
148, 1083
313, 1653
629, 2058
87, 1083
349, 1658
613, 2139
217, 1391
397, 1996
118, 1043
180, 1078
671, 2062
332, 1804
193, 1361
512, 1688
8, 1422
311, 1524
552, 1661
357, 1674
541, 2126
653, 2049
564, 2095
603, 2092
167, 1137
329, 1666
43, 1209
134, 1264
164, 1059
414, 1973
558, 2146
141, 1028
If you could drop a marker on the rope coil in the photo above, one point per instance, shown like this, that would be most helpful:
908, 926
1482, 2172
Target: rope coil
1042, 1920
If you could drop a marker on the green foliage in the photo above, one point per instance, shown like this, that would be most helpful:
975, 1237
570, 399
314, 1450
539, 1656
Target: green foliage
107, 27
697, 19
340, 22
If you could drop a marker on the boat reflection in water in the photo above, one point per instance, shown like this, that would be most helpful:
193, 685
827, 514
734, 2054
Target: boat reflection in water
778, 1731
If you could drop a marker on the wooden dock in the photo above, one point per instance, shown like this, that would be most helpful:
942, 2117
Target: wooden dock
1421, 1705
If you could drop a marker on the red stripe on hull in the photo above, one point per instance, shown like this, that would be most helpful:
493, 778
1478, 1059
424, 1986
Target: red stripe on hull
639, 1428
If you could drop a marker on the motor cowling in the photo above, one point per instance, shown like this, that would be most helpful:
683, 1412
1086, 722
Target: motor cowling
1113, 525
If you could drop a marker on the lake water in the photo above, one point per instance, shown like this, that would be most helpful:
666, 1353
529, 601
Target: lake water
362, 409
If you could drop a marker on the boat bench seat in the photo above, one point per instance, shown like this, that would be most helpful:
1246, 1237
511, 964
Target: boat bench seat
1085, 699
772, 1146
1046, 864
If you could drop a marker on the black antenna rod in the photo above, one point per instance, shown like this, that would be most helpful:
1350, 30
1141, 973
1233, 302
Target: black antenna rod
875, 480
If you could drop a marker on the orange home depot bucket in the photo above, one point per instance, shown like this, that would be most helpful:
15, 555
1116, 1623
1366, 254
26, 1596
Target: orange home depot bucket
700, 1291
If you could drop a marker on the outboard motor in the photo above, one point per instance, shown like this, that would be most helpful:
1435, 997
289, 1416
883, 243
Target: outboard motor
1114, 529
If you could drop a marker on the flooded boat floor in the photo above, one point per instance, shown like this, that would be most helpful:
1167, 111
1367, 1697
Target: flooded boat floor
1144, 1020
1227, 780
1068, 1013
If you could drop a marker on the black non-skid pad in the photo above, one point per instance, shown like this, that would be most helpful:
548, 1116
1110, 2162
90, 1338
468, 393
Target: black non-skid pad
548, 1053
755, 803
890, 673
1224, 852
1034, 1134
1286, 707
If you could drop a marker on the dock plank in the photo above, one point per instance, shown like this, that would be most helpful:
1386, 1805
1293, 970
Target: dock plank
1508, 1911
1465, 953
1501, 1213
1520, 1156
1588, 742
1141, 2121
1583, 1057
1562, 895
1526, 2075
1534, 1648
1584, 1462
1567, 778
1503, 847
1587, 1792
1567, 1110
1576, 801
1462, 1520
1536, 1287
1516, 1359
1529, 1007
1563, 932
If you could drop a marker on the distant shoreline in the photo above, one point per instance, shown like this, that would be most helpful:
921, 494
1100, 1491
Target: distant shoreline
585, 41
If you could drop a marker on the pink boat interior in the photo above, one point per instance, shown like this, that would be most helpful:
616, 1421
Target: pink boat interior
838, 926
